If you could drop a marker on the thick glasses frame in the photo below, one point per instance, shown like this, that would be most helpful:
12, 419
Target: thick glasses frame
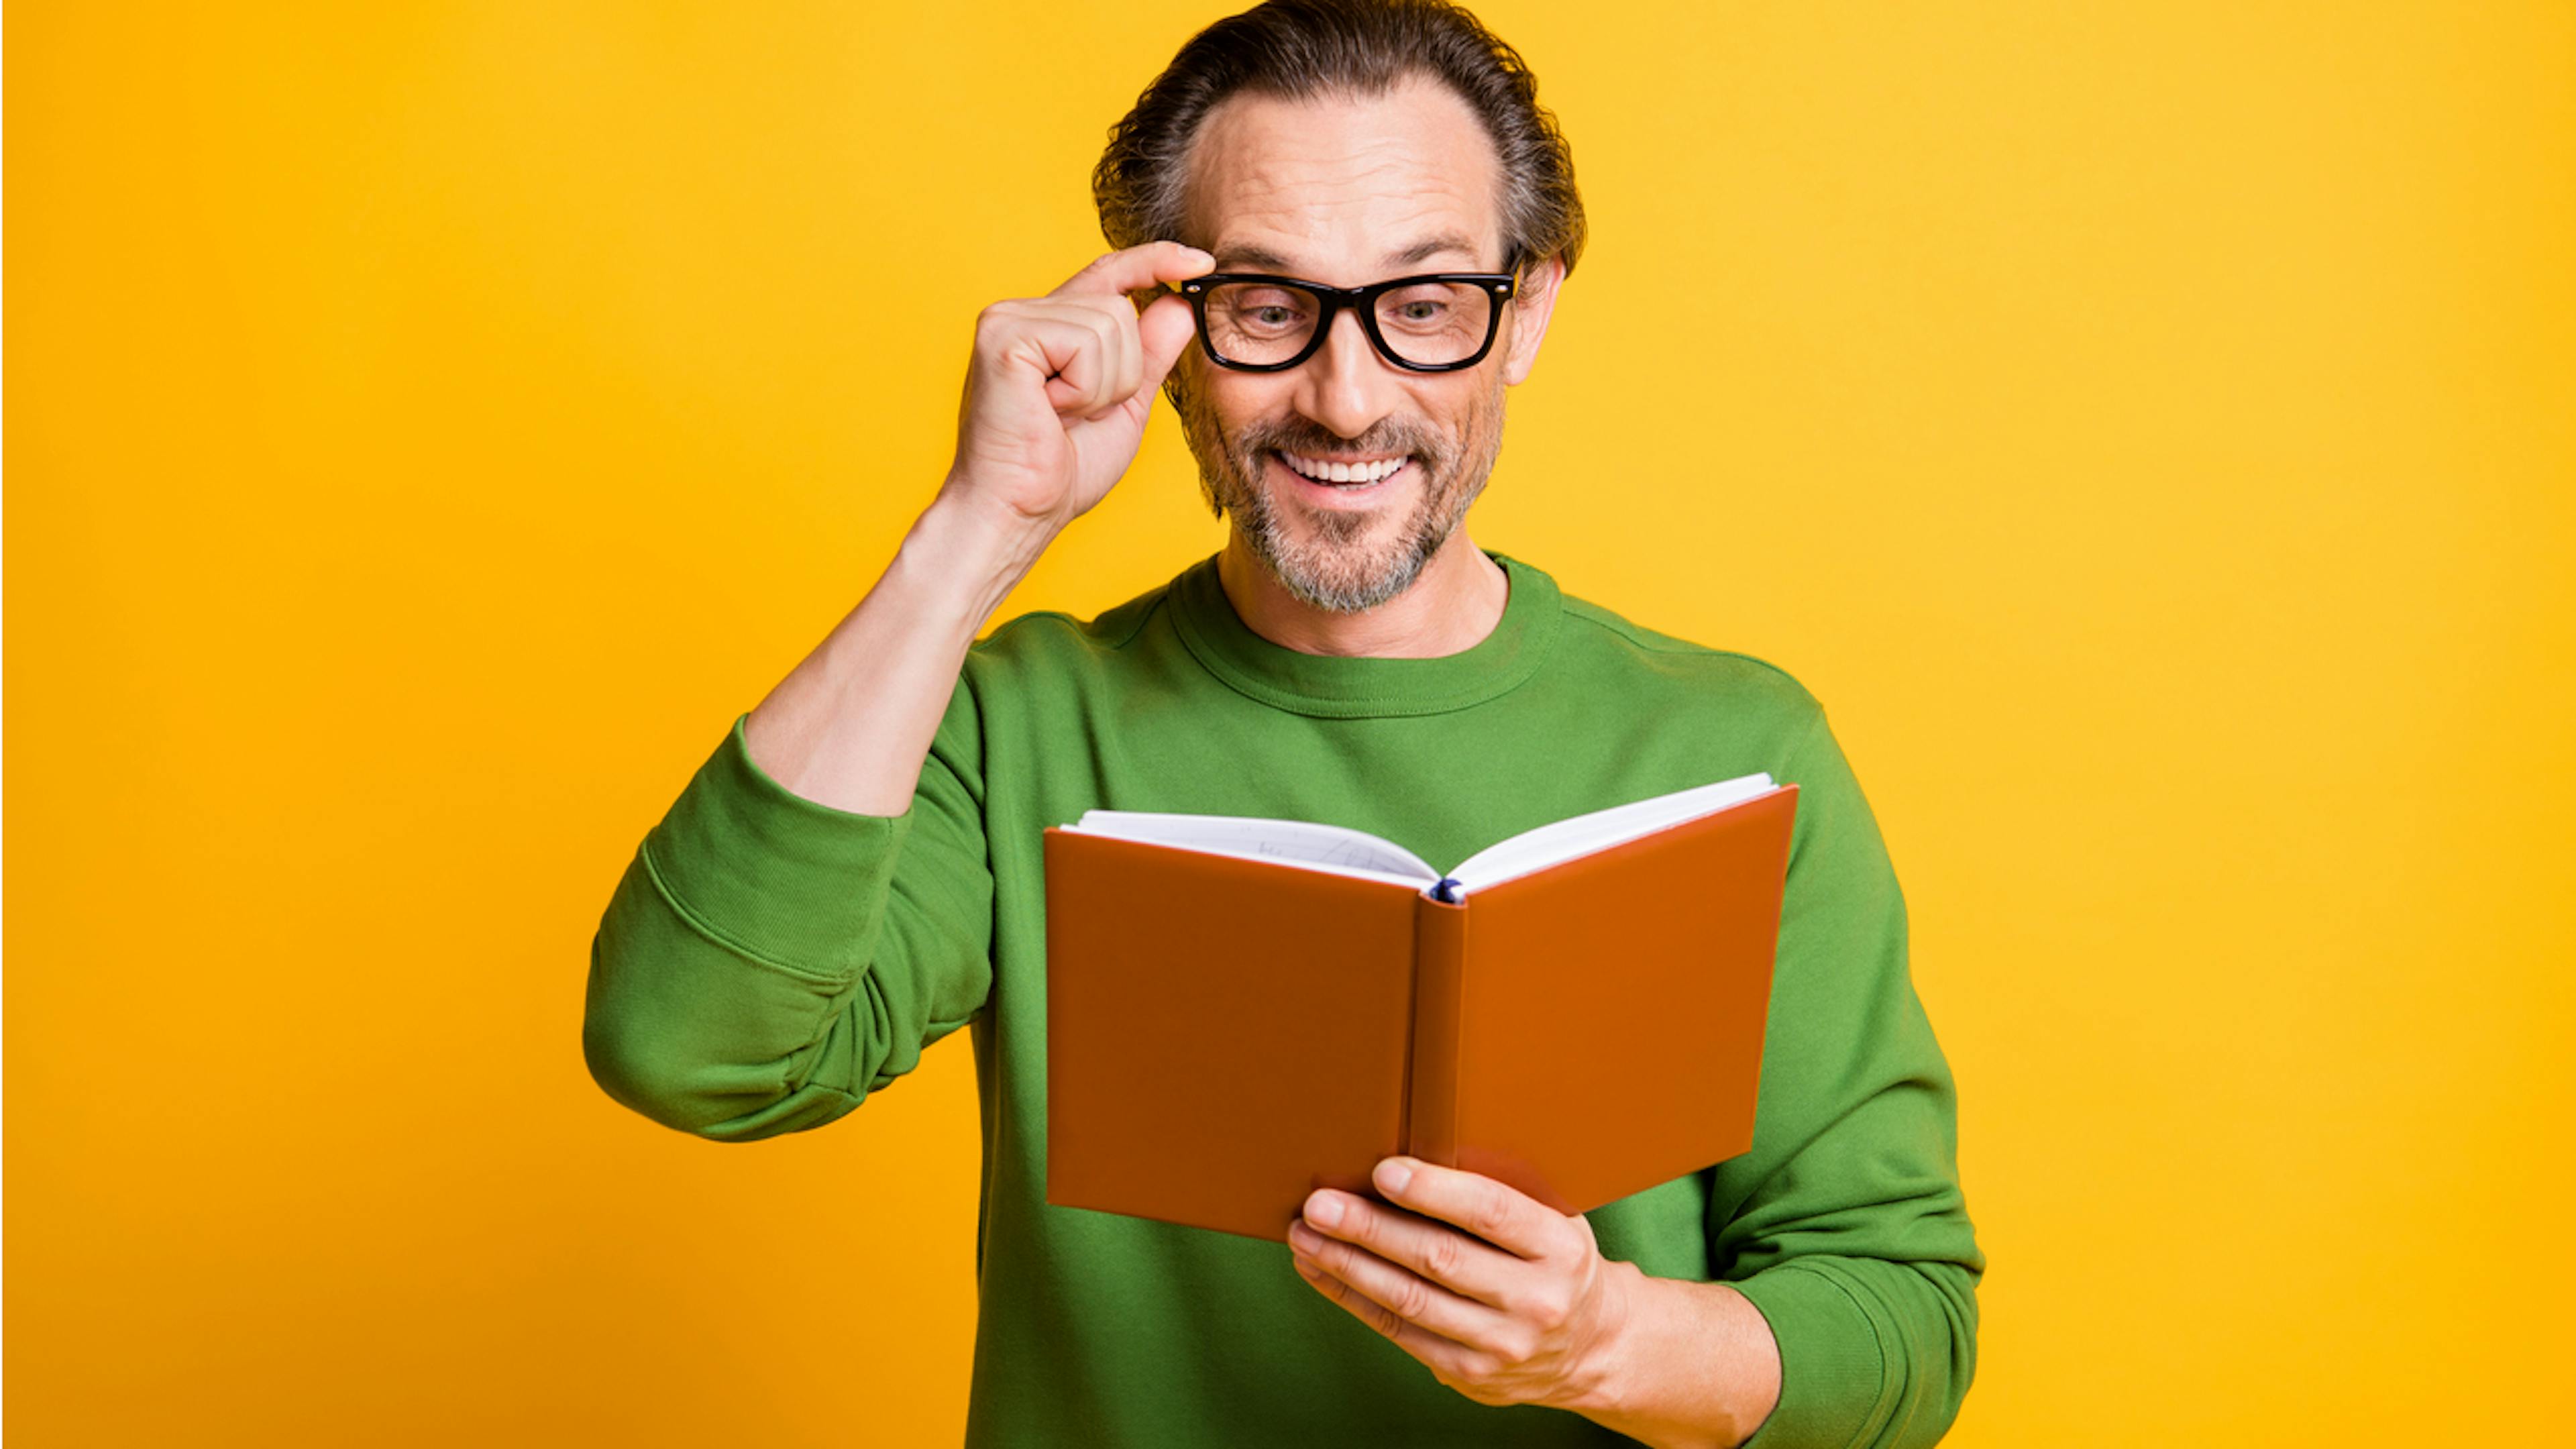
1362, 300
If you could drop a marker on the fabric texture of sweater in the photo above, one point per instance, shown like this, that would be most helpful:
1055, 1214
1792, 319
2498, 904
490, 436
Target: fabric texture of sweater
767, 961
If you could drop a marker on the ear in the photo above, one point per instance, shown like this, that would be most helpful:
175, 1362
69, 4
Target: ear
1533, 302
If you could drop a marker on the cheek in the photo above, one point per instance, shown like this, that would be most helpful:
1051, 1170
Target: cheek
1233, 407
1460, 420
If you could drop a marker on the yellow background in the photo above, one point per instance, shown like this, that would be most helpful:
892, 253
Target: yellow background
2146, 427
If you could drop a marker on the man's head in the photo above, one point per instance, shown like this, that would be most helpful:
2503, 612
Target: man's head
1347, 143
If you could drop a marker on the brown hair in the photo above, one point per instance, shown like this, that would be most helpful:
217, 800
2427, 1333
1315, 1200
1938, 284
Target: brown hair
1296, 49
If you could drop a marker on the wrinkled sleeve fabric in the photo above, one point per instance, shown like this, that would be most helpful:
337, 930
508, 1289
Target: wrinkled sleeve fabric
767, 961
1848, 1229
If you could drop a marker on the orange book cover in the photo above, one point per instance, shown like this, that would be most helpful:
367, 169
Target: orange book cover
1227, 1032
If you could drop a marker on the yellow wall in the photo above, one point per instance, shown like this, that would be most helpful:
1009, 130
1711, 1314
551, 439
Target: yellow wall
2148, 428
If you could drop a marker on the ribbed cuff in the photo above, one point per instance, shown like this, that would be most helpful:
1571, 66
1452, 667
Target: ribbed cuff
781, 878
1832, 1374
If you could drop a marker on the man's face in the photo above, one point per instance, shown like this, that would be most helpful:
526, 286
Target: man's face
1347, 191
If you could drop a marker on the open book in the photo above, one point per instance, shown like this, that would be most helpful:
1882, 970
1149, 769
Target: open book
1373, 857
1241, 1010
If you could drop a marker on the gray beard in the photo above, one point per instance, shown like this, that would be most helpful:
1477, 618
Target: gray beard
1330, 569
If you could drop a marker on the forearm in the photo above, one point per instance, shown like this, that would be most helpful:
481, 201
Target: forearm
850, 726
750, 976
1694, 1367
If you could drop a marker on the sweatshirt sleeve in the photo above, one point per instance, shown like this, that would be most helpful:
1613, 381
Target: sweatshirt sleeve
767, 961
1845, 1224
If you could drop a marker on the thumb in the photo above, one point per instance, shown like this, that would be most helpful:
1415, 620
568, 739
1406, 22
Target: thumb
1165, 329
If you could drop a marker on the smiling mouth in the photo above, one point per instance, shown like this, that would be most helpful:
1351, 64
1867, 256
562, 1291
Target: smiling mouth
1345, 476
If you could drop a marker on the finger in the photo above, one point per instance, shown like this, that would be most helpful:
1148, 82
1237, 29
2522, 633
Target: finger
1496, 1212
1452, 1360
1406, 1296
1164, 331
1123, 359
1083, 372
1127, 355
1067, 352
1137, 268
1434, 1250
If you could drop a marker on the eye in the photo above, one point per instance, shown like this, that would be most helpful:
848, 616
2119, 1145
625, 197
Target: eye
1271, 311
1432, 309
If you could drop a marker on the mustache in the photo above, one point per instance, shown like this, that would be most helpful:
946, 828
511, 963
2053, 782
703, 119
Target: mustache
1390, 436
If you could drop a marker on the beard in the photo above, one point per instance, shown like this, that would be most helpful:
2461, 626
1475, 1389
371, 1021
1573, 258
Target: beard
1329, 558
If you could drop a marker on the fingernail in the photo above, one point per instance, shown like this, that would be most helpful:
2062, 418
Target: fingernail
1393, 1175
1324, 1211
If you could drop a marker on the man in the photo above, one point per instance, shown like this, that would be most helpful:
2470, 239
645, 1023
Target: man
856, 870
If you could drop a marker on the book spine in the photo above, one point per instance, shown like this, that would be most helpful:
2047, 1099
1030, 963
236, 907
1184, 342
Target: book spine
1431, 1062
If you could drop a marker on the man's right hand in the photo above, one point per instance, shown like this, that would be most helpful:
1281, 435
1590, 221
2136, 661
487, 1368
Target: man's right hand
1061, 385
1056, 402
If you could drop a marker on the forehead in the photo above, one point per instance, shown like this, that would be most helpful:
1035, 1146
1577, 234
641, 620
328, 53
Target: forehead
1339, 188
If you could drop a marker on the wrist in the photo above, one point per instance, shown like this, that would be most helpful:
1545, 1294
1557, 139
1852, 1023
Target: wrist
1691, 1365
970, 554
1604, 1385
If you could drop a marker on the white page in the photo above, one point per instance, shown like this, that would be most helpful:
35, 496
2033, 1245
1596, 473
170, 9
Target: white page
1295, 842
1538, 848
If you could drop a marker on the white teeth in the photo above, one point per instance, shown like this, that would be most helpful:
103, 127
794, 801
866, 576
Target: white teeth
1342, 472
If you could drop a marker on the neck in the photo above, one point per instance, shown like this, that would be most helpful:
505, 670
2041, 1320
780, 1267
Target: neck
1450, 607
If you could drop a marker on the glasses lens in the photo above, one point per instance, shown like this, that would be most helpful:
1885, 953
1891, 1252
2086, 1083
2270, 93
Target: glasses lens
1260, 322
1428, 324
1434, 323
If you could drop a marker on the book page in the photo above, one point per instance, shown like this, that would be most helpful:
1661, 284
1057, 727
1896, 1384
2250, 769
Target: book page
1576, 835
1287, 842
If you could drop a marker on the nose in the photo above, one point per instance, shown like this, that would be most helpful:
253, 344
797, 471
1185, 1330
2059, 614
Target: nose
1346, 385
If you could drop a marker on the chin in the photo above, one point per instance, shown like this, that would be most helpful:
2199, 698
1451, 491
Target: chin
1340, 576
1341, 552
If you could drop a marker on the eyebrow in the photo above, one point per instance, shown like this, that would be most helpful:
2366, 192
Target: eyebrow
1236, 254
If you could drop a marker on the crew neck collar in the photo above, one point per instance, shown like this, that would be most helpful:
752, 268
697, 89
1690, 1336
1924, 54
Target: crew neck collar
1336, 686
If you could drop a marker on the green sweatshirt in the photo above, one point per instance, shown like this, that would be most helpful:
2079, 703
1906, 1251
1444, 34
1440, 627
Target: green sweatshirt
768, 961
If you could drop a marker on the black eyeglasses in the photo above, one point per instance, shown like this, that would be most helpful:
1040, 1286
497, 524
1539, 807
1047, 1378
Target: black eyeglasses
1438, 322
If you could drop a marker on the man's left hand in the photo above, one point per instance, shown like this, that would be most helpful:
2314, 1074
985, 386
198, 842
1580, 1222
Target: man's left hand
1519, 1308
